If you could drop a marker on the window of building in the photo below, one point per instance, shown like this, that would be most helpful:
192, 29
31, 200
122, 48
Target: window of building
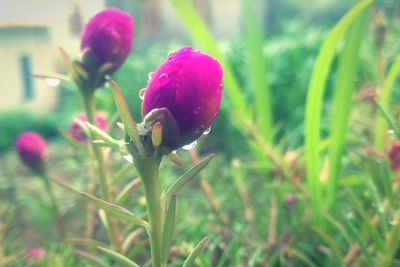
27, 81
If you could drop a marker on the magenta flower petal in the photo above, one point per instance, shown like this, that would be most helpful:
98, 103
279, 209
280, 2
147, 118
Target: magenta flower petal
75, 130
188, 84
109, 36
31, 148
36, 253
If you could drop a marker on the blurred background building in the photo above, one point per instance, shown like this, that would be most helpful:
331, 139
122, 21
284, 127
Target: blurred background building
32, 30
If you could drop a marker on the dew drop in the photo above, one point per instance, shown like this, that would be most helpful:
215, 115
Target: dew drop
207, 131
150, 75
196, 111
141, 93
164, 79
128, 158
189, 146
107, 77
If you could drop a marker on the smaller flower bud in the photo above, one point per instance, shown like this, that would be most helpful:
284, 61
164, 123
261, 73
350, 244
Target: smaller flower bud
106, 42
394, 156
31, 148
76, 131
156, 134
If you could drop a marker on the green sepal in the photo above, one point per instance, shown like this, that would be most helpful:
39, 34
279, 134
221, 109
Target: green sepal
193, 255
116, 210
127, 119
124, 261
190, 174
168, 229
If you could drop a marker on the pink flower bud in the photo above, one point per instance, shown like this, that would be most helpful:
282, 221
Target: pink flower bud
35, 253
108, 36
75, 130
31, 148
188, 84
394, 156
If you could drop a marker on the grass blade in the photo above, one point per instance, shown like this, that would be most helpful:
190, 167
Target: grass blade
384, 100
314, 104
345, 84
258, 71
193, 255
119, 258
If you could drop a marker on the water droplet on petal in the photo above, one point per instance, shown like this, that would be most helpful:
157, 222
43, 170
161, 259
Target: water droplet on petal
207, 131
128, 158
196, 111
141, 93
150, 75
164, 79
189, 146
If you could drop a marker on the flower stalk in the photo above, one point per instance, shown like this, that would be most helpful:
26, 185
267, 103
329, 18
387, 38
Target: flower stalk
148, 169
103, 175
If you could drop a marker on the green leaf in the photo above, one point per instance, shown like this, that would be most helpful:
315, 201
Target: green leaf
314, 105
116, 211
192, 257
126, 117
190, 174
99, 134
124, 261
342, 101
384, 99
89, 243
257, 70
168, 229
79, 146
337, 253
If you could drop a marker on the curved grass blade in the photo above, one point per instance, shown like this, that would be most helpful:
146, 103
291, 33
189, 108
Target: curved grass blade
121, 259
345, 84
193, 255
190, 174
314, 105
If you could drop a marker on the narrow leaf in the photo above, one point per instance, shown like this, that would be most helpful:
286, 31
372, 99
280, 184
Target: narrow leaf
168, 229
314, 105
66, 186
342, 101
192, 257
126, 117
94, 259
116, 211
389, 119
257, 70
119, 258
90, 243
97, 133
190, 174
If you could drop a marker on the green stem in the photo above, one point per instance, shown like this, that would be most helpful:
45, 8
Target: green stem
54, 204
148, 170
103, 175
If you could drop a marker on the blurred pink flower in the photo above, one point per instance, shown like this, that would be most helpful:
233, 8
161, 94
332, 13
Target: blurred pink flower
394, 156
36, 253
75, 130
31, 148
